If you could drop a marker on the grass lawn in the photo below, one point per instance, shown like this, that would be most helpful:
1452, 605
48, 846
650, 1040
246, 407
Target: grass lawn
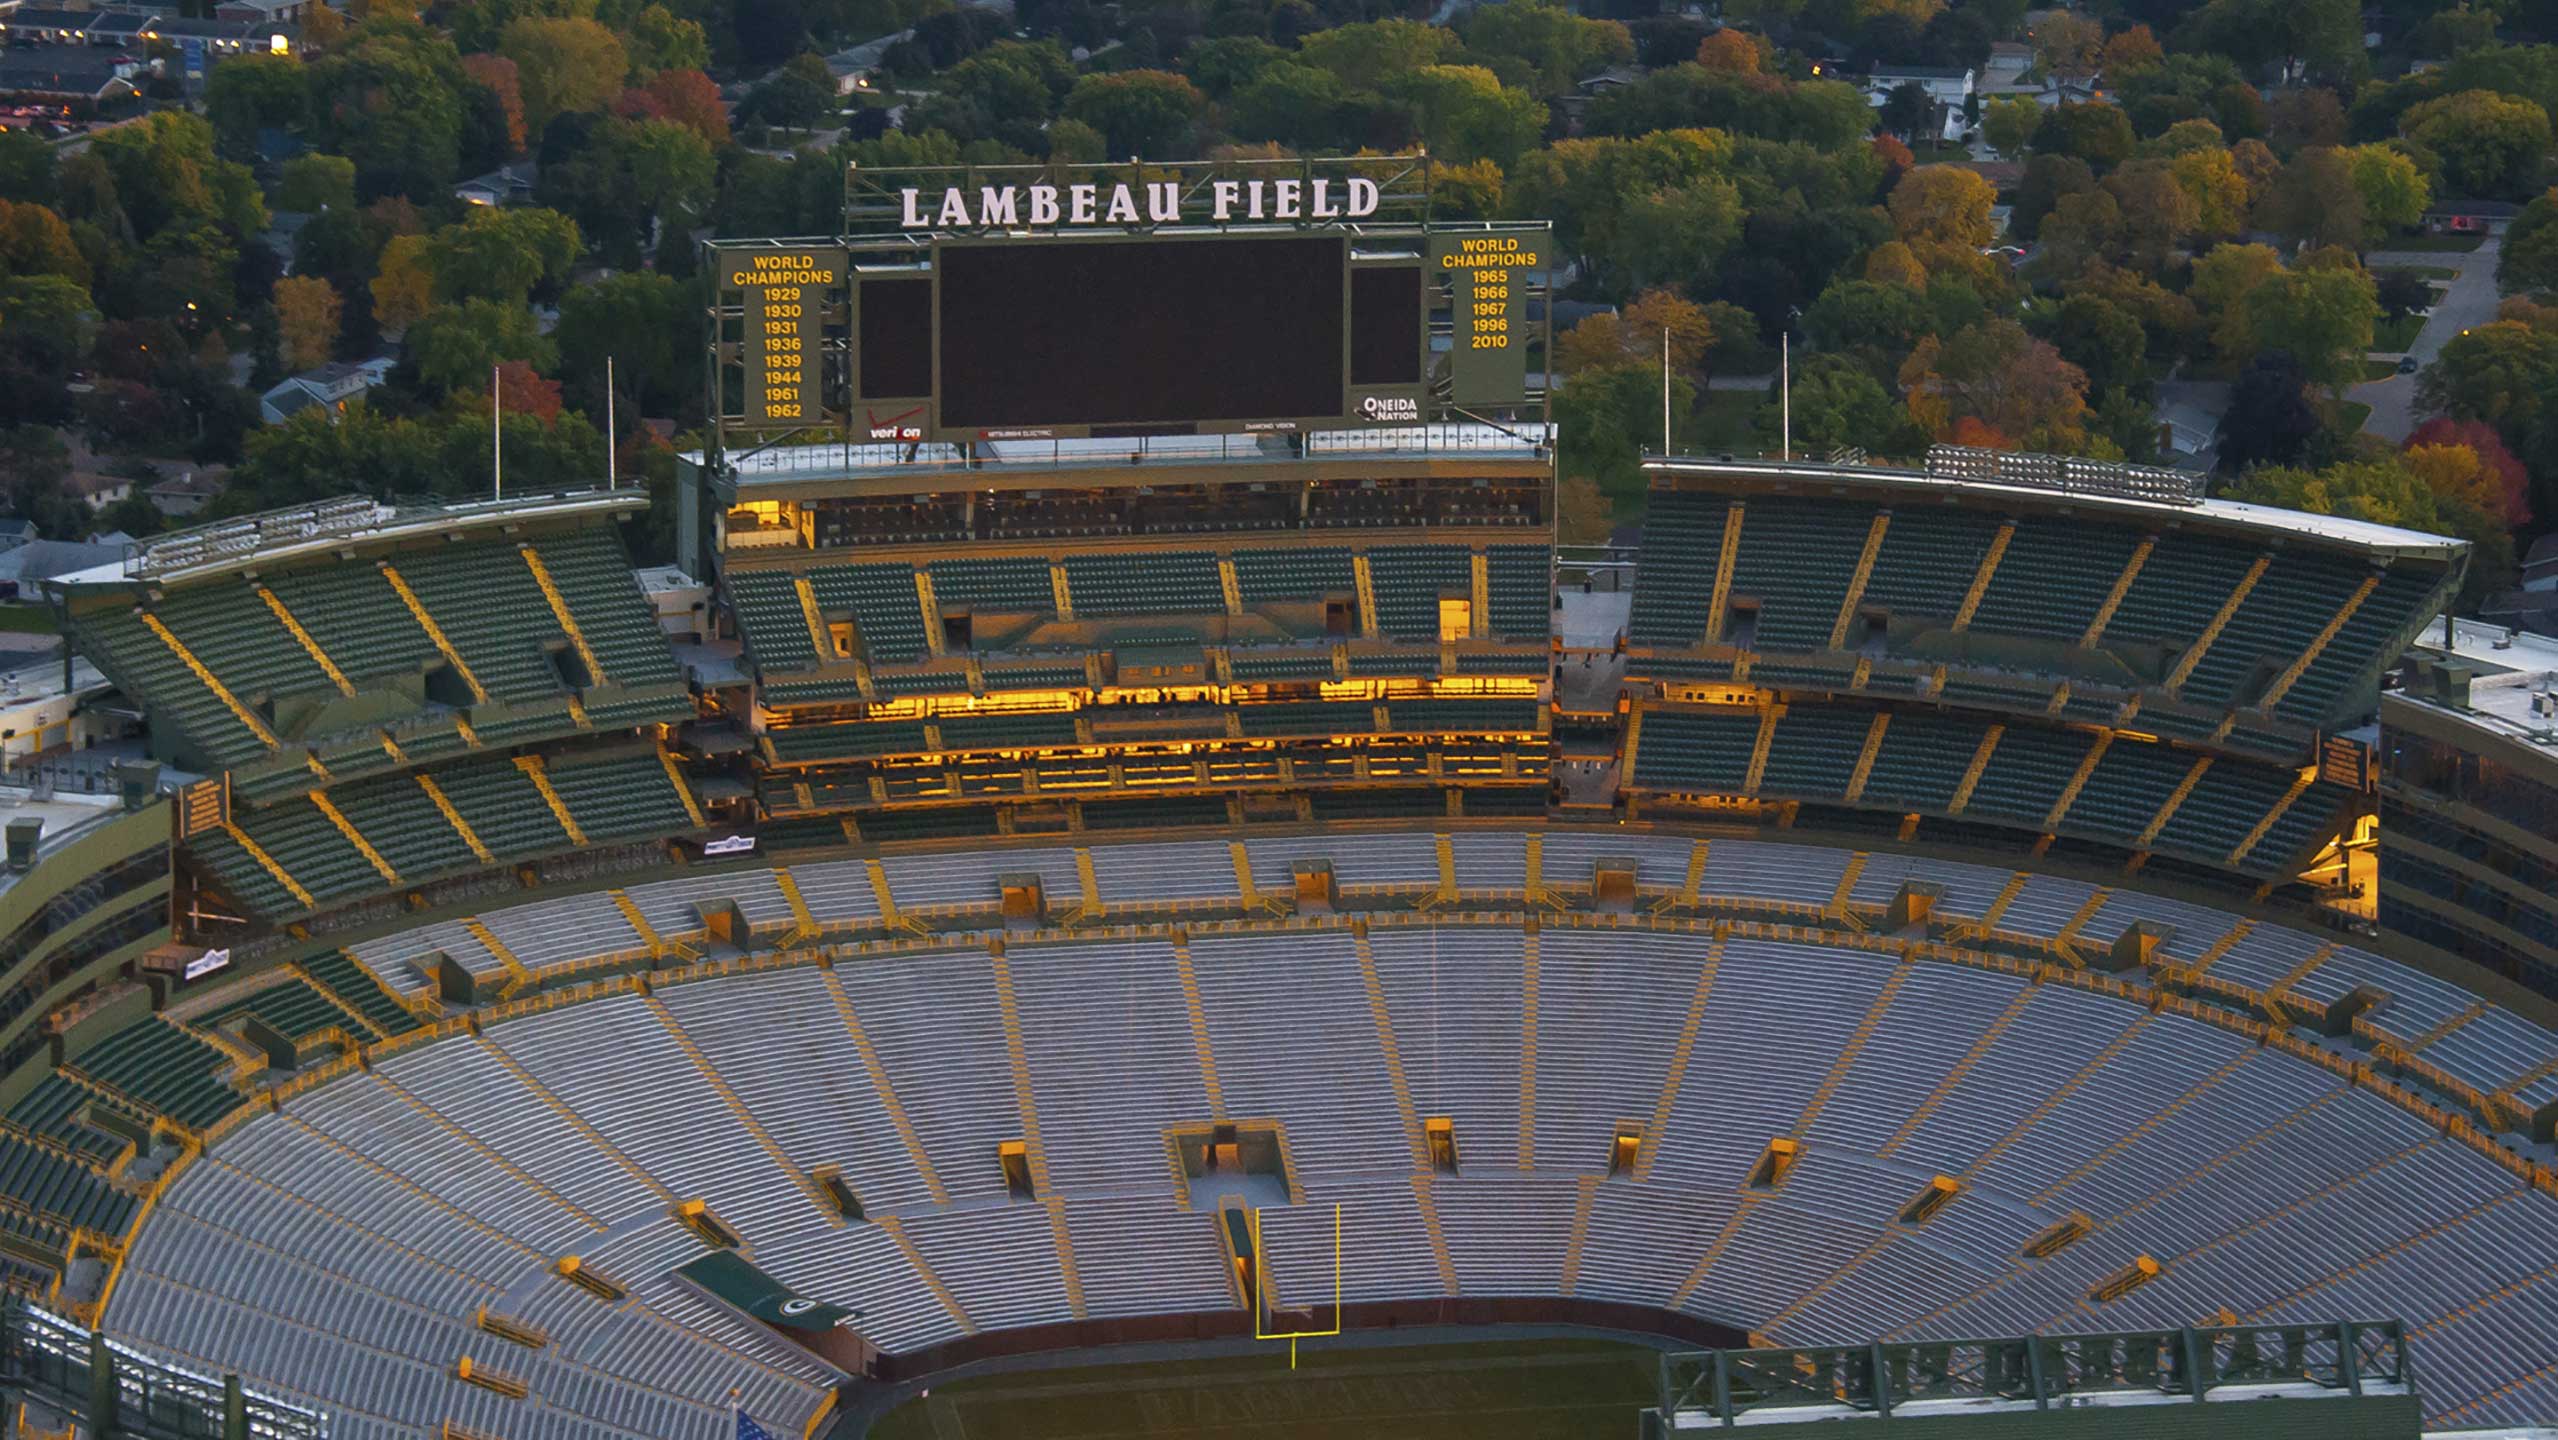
28, 620
2350, 415
2392, 337
2379, 369
2446, 243
1519, 1390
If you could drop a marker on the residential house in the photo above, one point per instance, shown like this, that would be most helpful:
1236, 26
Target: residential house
1947, 89
329, 386
79, 80
186, 494
506, 185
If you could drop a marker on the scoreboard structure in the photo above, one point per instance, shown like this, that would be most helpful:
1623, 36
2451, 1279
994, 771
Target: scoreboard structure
970, 304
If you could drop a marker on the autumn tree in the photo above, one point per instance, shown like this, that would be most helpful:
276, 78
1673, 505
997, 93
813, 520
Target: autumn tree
2393, 190
2220, 193
404, 286
34, 241
1738, 51
498, 75
1584, 516
307, 320
2133, 50
563, 65
1997, 374
2069, 45
1634, 335
2491, 478
1944, 205
2315, 201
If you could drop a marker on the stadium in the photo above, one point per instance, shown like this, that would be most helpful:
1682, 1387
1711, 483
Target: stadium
1148, 855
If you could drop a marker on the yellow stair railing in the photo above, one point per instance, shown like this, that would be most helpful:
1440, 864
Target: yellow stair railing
221, 692
454, 818
327, 807
293, 627
434, 632
559, 612
531, 765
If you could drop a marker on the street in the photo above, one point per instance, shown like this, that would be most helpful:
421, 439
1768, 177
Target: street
2471, 300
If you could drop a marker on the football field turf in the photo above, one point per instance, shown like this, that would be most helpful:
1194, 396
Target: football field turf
1517, 1390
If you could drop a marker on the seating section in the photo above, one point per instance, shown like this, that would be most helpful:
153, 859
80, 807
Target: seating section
1797, 560
338, 1251
1160, 582
883, 603
1522, 581
1409, 581
611, 797
1292, 574
1922, 757
482, 595
769, 619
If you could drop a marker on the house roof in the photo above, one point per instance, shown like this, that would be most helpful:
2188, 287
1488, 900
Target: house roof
1920, 72
60, 70
2543, 552
2491, 209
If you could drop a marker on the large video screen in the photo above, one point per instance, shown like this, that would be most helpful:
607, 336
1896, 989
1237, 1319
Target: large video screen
1140, 332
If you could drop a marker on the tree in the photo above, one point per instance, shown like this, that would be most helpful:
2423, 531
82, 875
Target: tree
1895, 264
2393, 190
2099, 134
2505, 374
638, 319
2401, 292
499, 77
1908, 110
250, 93
313, 182
672, 170
307, 318
1138, 112
2220, 193
2271, 418
2133, 50
1609, 416
34, 241
1583, 515
453, 347
1557, 44
1836, 403
1635, 336
1944, 205
2157, 211
662, 40
2489, 144
2008, 122
502, 254
2314, 201
1997, 374
391, 100
563, 66
2069, 45
1463, 113
1876, 324
2323, 317
691, 99
2398, 490
2102, 339
26, 168
1674, 232
2500, 485
2307, 118
404, 289
798, 93
1366, 55
2530, 259
1736, 51
2047, 180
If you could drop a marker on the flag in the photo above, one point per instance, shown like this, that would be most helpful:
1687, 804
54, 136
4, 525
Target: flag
747, 1429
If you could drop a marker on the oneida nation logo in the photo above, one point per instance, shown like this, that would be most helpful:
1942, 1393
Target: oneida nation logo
1389, 407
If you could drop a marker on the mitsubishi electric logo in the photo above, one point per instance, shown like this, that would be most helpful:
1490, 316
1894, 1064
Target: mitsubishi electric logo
1389, 407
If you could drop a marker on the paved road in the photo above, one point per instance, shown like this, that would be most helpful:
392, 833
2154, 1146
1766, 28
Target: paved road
2471, 301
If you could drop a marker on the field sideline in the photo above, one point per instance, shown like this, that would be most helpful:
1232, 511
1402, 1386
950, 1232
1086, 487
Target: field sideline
1516, 1389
